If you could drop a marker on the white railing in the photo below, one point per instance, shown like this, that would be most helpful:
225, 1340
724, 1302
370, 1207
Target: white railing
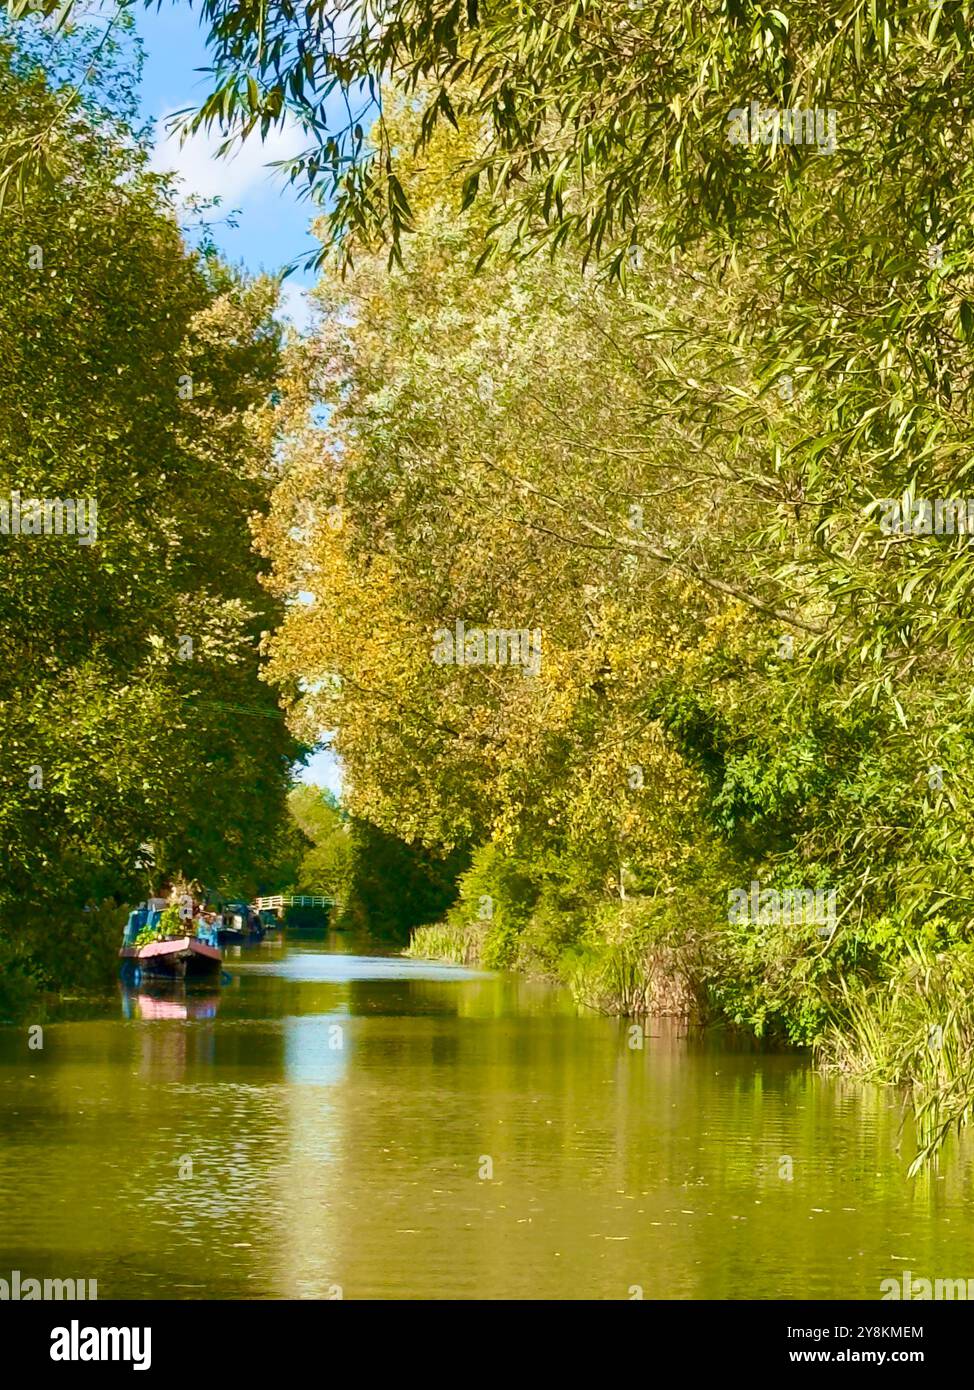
294, 900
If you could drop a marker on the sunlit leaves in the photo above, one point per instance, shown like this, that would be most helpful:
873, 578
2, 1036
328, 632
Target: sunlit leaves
130, 666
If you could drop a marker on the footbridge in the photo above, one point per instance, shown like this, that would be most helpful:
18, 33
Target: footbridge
278, 901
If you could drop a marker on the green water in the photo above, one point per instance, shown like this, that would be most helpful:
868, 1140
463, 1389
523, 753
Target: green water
392, 1129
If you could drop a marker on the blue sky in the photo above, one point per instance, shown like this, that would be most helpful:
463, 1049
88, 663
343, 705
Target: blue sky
273, 222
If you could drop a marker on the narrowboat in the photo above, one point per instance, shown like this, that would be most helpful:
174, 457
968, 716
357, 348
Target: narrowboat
241, 926
192, 955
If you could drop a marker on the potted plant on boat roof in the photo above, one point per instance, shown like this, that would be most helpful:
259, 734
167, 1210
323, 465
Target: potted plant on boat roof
170, 925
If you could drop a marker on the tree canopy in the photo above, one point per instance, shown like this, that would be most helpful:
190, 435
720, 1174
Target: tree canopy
140, 743
743, 676
645, 353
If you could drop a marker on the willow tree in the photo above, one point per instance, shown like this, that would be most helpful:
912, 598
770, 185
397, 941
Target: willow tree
503, 451
835, 275
529, 445
822, 151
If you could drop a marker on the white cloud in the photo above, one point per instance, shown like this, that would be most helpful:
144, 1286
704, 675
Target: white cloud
294, 306
233, 178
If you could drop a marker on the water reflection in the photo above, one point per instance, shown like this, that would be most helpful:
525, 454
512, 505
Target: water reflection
168, 1002
403, 1129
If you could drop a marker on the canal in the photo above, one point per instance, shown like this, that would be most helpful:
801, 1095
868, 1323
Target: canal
342, 1124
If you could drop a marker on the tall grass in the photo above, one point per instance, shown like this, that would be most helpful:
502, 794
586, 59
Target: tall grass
915, 1030
615, 980
634, 979
449, 941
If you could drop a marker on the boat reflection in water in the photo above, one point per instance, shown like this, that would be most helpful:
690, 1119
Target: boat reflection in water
173, 1004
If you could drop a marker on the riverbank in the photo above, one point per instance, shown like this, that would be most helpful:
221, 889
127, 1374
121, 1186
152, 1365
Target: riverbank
58, 952
624, 974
